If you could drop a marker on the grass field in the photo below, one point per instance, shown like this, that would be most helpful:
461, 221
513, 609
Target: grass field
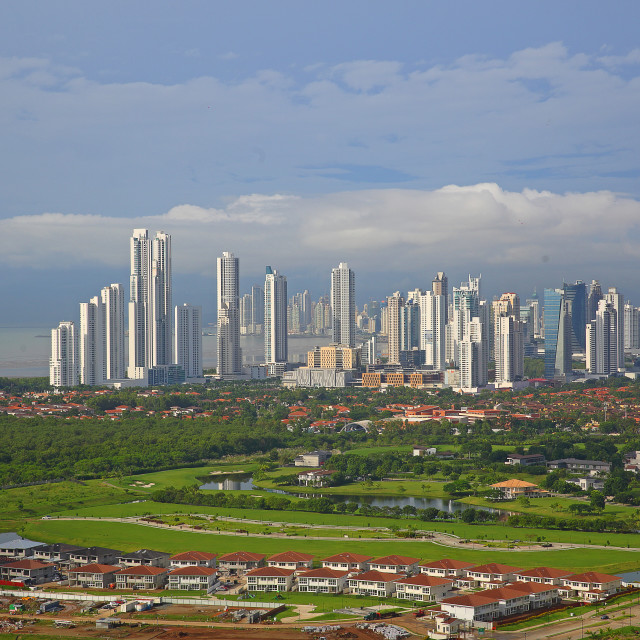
128, 537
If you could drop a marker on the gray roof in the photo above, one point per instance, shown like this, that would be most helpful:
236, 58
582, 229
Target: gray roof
12, 540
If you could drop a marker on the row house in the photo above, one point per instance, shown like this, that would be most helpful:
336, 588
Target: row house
58, 552
542, 575
323, 580
193, 559
381, 584
141, 577
270, 579
351, 562
488, 575
445, 568
193, 577
592, 467
145, 558
31, 571
291, 560
395, 564
241, 561
592, 586
423, 587
93, 576
93, 555
14, 545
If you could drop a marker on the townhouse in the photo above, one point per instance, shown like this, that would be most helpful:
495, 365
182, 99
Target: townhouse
93, 576
323, 580
591, 585
58, 552
93, 555
144, 557
193, 577
28, 571
424, 587
542, 575
487, 575
193, 559
347, 562
142, 577
395, 564
445, 568
291, 560
241, 561
270, 579
381, 584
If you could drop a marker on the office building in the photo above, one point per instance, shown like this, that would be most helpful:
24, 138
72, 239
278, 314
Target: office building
229, 354
557, 336
187, 346
343, 305
275, 317
617, 300
575, 295
63, 366
257, 309
595, 295
440, 287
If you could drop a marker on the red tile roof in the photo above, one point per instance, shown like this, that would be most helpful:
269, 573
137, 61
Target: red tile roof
193, 571
447, 563
190, 556
141, 570
28, 564
96, 568
544, 572
347, 557
592, 576
378, 576
291, 556
241, 556
493, 567
323, 572
271, 571
395, 560
425, 580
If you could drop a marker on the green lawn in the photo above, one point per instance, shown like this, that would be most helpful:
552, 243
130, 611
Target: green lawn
128, 537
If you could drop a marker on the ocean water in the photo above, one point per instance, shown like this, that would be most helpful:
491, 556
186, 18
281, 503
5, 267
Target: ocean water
26, 352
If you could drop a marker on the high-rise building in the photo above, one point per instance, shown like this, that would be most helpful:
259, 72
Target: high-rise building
464, 306
187, 345
617, 300
557, 335
395, 304
229, 354
91, 341
576, 296
63, 366
343, 305
631, 327
602, 340
150, 310
257, 308
275, 317
474, 355
114, 356
509, 348
440, 287
595, 295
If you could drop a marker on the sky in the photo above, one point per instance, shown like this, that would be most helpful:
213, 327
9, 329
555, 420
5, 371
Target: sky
404, 138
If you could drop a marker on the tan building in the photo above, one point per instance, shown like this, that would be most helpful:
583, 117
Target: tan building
512, 489
334, 356
93, 576
142, 577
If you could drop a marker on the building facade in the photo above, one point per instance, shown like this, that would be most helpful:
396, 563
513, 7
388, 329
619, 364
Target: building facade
187, 347
229, 354
343, 305
275, 317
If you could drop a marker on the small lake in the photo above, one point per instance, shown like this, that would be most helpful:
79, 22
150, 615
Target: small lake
244, 482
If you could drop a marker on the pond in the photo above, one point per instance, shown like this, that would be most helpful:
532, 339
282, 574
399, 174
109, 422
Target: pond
244, 482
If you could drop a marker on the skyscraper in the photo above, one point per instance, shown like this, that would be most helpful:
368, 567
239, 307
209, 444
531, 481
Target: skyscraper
92, 346
257, 308
275, 317
113, 308
595, 295
395, 305
576, 295
229, 354
474, 355
557, 335
602, 340
617, 300
150, 322
63, 366
509, 348
343, 305
440, 287
187, 349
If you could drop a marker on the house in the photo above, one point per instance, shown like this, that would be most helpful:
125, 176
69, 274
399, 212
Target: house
314, 478
270, 579
445, 568
423, 587
423, 451
142, 577
291, 560
241, 561
474, 607
591, 585
347, 562
93, 576
29, 571
57, 552
312, 459
542, 575
145, 558
374, 583
93, 555
323, 580
446, 627
15, 546
588, 483
193, 559
529, 460
592, 467
512, 489
192, 577
540, 595
487, 575
395, 564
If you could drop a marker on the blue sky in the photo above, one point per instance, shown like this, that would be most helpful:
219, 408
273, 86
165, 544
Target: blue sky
302, 134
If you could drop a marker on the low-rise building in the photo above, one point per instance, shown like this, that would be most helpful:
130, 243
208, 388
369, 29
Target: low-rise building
542, 575
312, 459
145, 558
423, 587
591, 585
291, 560
592, 467
488, 575
395, 564
347, 562
193, 559
192, 577
322, 580
446, 627
28, 571
270, 579
241, 561
315, 478
93, 576
93, 555
513, 488
57, 552
587, 483
142, 577
420, 451
529, 460
374, 583
14, 545
445, 568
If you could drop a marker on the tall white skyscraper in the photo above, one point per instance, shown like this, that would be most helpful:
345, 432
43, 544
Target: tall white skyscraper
509, 348
631, 326
343, 305
150, 310
617, 300
63, 366
275, 317
187, 348
92, 342
113, 306
474, 353
395, 304
602, 340
432, 328
229, 354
